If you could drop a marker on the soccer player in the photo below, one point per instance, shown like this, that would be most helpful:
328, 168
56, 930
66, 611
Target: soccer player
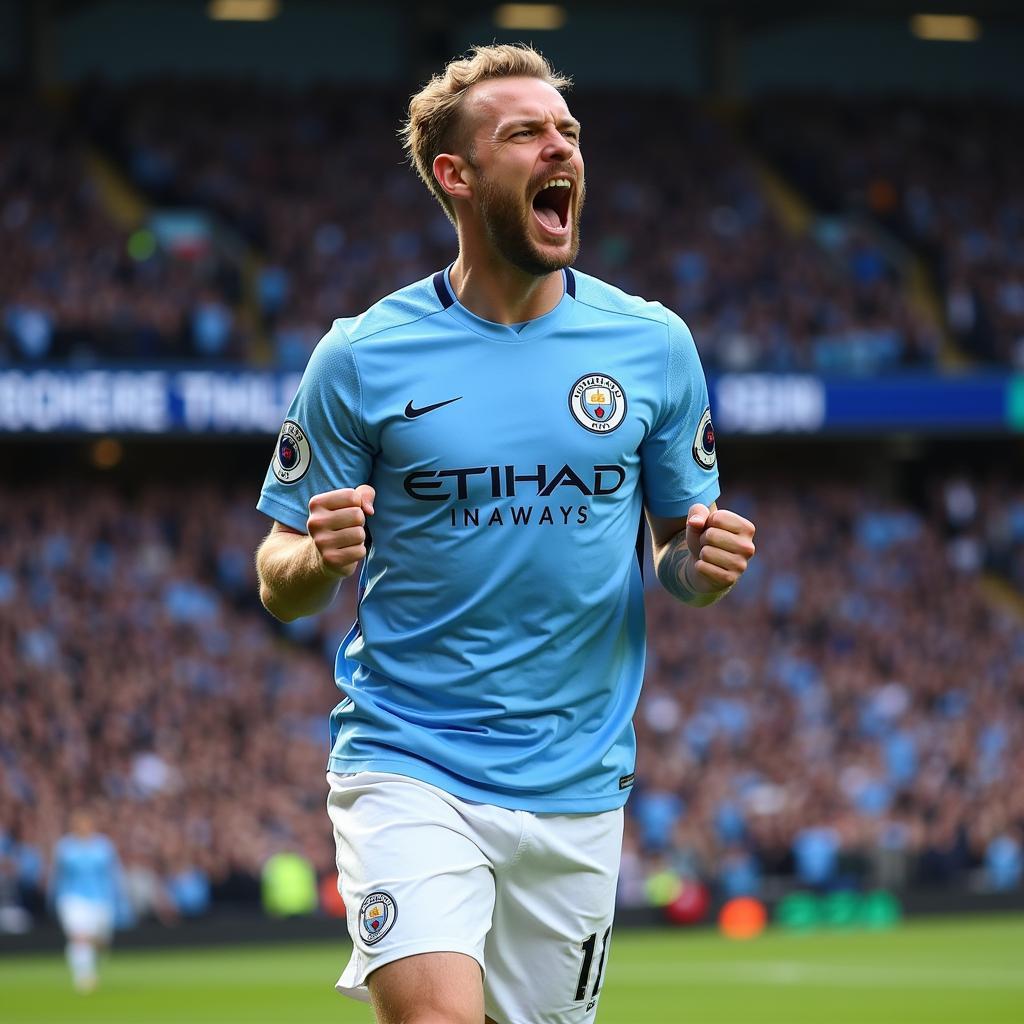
84, 883
486, 441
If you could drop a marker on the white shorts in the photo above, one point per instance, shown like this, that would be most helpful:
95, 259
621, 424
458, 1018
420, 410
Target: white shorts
87, 919
529, 896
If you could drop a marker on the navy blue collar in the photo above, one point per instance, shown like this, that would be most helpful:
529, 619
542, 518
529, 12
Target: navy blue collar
446, 298
536, 328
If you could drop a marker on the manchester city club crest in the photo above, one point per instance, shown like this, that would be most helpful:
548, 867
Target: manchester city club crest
377, 915
704, 442
293, 455
597, 403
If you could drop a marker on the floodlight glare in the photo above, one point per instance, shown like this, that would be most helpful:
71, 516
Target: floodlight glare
947, 28
529, 16
243, 10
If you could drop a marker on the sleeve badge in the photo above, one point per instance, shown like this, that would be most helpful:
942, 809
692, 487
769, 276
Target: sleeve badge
704, 442
293, 455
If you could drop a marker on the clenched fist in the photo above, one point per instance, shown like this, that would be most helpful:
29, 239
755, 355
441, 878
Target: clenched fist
337, 526
721, 543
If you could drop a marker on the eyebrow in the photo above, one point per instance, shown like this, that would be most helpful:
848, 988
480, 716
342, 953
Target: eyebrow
534, 122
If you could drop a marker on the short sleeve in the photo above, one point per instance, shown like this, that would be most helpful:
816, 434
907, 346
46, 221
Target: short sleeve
678, 458
322, 445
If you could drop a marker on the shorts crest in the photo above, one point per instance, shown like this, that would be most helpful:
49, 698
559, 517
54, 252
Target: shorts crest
377, 914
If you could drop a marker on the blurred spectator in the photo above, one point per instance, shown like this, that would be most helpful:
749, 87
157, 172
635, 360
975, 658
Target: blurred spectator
738, 873
211, 326
816, 852
189, 889
14, 918
146, 896
1004, 863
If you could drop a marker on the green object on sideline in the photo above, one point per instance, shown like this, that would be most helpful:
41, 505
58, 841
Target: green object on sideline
289, 885
880, 909
663, 887
798, 911
841, 909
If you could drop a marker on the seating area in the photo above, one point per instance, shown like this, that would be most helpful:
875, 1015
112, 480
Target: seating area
942, 175
852, 716
313, 185
72, 290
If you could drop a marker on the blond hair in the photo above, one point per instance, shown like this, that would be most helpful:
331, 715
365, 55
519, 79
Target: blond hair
432, 126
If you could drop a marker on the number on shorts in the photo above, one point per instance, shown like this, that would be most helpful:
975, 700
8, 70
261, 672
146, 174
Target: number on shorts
588, 946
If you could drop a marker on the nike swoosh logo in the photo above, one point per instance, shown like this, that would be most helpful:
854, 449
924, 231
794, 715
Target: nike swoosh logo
412, 413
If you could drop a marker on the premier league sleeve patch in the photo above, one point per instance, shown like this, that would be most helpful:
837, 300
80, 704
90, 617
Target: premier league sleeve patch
377, 915
293, 456
704, 442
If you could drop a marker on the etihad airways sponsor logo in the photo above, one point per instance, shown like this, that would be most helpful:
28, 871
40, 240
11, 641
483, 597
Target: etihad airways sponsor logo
511, 482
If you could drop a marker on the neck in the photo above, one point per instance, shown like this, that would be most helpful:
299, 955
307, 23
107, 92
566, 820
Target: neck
494, 290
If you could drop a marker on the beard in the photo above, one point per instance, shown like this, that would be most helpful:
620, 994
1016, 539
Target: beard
506, 217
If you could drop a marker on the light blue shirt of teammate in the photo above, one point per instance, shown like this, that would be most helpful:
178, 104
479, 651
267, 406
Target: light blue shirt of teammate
86, 867
498, 651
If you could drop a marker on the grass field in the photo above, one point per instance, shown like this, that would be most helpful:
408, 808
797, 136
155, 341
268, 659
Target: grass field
968, 971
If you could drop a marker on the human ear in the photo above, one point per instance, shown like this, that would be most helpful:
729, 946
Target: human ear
454, 175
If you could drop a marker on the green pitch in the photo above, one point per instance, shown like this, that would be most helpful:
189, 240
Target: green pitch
963, 971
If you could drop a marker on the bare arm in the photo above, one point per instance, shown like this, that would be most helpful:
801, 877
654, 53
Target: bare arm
699, 558
293, 582
300, 573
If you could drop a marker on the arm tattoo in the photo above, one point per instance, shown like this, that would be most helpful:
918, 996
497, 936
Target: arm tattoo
671, 569
675, 577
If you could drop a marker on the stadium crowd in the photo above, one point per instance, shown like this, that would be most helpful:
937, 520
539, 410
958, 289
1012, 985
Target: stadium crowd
70, 287
853, 715
315, 185
139, 680
943, 175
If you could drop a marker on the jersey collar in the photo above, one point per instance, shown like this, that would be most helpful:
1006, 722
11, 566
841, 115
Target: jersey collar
505, 332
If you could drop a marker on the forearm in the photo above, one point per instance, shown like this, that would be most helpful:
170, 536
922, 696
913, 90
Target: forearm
675, 569
293, 580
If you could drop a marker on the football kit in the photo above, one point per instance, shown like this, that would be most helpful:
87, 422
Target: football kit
494, 667
84, 887
530, 897
498, 650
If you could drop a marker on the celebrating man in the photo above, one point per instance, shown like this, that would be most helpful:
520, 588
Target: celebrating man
486, 441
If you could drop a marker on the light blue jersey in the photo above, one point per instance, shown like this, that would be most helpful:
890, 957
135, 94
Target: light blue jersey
499, 647
87, 868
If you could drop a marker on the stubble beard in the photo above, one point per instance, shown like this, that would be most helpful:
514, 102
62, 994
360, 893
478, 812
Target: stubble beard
506, 219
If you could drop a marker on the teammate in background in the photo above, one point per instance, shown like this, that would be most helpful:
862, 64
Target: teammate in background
84, 884
506, 423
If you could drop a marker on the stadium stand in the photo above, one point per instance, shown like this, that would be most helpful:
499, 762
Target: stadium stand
942, 174
334, 220
852, 718
71, 291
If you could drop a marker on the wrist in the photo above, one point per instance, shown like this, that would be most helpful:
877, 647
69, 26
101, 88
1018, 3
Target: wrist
704, 590
319, 568
690, 577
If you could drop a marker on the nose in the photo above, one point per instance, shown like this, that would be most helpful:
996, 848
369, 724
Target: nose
556, 146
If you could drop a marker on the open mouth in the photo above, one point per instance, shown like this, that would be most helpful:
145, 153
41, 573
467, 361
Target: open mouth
551, 205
